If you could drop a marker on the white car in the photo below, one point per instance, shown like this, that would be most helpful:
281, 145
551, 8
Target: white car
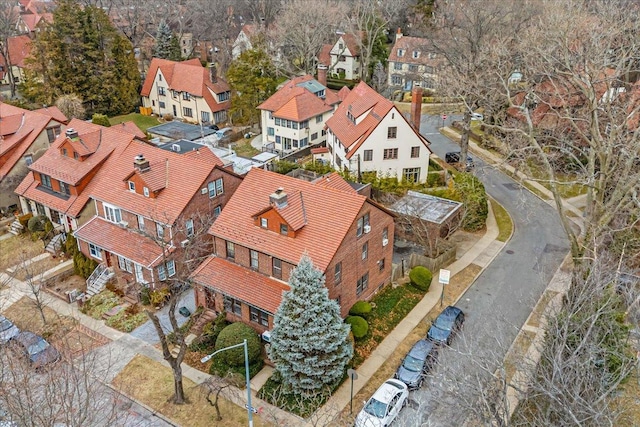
8, 330
477, 116
385, 404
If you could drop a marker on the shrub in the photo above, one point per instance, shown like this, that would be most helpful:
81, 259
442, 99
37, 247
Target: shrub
37, 223
474, 197
125, 322
115, 289
145, 296
210, 332
361, 308
233, 334
420, 277
24, 220
158, 296
168, 117
83, 266
99, 304
100, 119
71, 246
359, 326
435, 179
284, 167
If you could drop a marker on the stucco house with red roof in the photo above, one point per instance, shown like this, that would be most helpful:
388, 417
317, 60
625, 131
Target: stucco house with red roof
31, 13
343, 57
24, 137
187, 91
294, 117
58, 183
270, 222
368, 134
19, 48
152, 209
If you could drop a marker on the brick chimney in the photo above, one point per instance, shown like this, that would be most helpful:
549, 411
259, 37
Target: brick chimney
322, 74
140, 163
399, 34
416, 107
213, 73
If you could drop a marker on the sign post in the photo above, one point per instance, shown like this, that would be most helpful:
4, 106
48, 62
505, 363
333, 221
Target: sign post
354, 376
444, 279
444, 117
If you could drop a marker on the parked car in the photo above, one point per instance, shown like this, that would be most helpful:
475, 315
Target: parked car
446, 325
385, 404
39, 352
224, 135
454, 157
8, 330
477, 116
419, 361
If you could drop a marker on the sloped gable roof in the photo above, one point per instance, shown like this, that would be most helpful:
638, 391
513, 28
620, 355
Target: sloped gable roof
294, 102
409, 45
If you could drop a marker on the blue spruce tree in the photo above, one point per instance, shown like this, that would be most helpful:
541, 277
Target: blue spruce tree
310, 343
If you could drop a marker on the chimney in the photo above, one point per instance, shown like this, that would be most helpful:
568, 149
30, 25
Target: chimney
416, 107
399, 34
71, 133
322, 74
213, 73
278, 198
140, 163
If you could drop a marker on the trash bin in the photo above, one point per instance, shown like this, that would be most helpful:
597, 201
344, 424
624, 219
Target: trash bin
184, 311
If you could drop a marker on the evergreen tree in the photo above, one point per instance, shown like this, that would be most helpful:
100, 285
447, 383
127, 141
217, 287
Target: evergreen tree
310, 343
82, 52
253, 79
167, 45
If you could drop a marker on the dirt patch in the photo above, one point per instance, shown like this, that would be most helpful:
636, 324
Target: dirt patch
538, 311
151, 383
27, 317
629, 401
37, 269
79, 341
518, 351
17, 248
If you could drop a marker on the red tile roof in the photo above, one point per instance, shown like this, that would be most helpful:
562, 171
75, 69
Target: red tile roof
409, 45
19, 49
324, 57
319, 150
187, 76
120, 241
53, 112
334, 180
130, 128
329, 214
241, 283
343, 93
351, 40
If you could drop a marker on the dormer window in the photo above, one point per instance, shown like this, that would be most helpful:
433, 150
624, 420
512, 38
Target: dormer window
320, 93
64, 152
264, 222
351, 118
186, 96
132, 186
416, 54
284, 229
145, 190
75, 155
400, 52
340, 46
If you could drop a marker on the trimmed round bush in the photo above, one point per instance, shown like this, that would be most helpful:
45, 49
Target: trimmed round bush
420, 277
37, 223
235, 334
359, 326
360, 308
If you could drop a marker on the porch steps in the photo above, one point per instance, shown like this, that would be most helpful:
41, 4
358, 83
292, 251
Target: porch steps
16, 228
99, 279
56, 243
205, 318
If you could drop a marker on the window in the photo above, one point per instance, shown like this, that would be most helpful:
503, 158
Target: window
188, 112
231, 250
95, 251
206, 117
338, 162
219, 186
304, 124
65, 153
171, 268
304, 142
220, 116
362, 222
381, 264
278, 140
392, 132
145, 190
254, 259
174, 93
340, 46
415, 152
140, 223
53, 133
385, 234
233, 305
284, 229
314, 136
125, 264
324, 132
215, 188
413, 68
28, 160
186, 96
264, 222
189, 228
162, 272
159, 230
416, 54
396, 80
365, 250
337, 273
113, 214
276, 270
161, 91
362, 284
132, 186
46, 180
400, 52
411, 174
224, 96
64, 188
368, 155
397, 65
342, 58
217, 210
319, 118
259, 316
277, 121
286, 143
271, 131
75, 155
160, 77
390, 153
161, 104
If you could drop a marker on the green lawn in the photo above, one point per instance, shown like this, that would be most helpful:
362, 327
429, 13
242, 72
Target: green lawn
143, 122
505, 226
244, 148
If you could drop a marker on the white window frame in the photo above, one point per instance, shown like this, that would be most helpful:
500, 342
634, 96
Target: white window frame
145, 190
219, 186
95, 251
132, 186
125, 264
171, 268
159, 230
112, 213
254, 259
140, 223
188, 225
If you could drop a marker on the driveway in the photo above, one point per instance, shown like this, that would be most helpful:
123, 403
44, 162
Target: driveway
147, 332
500, 300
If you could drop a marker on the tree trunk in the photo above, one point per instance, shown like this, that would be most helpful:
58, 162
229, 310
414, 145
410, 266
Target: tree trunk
464, 138
178, 397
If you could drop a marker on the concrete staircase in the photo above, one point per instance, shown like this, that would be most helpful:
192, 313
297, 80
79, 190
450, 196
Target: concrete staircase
204, 318
56, 243
99, 279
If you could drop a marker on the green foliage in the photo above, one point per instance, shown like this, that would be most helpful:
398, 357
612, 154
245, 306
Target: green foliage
24, 220
159, 296
82, 265
435, 179
70, 247
361, 308
420, 277
207, 340
275, 392
359, 326
234, 334
434, 166
284, 167
167, 45
145, 295
81, 52
100, 119
474, 197
318, 167
37, 223
100, 303
126, 322
253, 79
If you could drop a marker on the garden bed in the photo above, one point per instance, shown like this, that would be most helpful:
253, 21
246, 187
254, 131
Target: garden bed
125, 320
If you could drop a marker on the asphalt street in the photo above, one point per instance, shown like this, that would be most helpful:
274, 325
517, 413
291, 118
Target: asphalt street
499, 301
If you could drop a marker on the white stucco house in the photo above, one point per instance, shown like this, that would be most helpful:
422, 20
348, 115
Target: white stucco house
342, 58
411, 63
367, 133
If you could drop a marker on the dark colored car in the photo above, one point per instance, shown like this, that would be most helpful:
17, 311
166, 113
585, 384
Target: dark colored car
454, 157
8, 330
446, 325
420, 360
37, 349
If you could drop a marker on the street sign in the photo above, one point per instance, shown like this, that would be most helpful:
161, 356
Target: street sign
444, 117
352, 374
444, 276
254, 410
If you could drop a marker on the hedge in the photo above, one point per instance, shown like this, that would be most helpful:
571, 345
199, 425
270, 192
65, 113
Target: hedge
361, 308
420, 277
207, 340
359, 326
83, 266
474, 197
235, 334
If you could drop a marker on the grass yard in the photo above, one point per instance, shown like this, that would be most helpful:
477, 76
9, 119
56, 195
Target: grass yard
505, 225
143, 122
538, 311
244, 148
152, 384
17, 248
514, 359
37, 269
27, 317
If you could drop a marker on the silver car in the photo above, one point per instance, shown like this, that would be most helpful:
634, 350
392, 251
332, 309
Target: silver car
8, 330
385, 404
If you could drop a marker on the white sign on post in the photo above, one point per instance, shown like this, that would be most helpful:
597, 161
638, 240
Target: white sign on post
444, 276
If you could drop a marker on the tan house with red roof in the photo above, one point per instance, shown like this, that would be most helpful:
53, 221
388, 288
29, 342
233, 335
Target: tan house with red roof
368, 133
24, 137
152, 210
32, 13
58, 183
342, 58
411, 63
19, 48
244, 40
294, 117
270, 222
187, 91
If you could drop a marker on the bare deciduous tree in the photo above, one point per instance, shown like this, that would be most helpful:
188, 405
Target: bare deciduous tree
8, 28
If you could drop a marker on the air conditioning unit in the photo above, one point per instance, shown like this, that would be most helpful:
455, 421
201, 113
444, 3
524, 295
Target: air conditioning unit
203, 191
385, 242
266, 336
123, 224
367, 228
184, 243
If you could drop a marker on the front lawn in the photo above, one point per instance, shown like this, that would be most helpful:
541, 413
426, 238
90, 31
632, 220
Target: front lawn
503, 220
243, 148
143, 122
18, 248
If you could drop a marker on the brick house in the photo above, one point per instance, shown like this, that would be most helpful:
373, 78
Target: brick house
270, 222
24, 137
187, 91
152, 210
58, 183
